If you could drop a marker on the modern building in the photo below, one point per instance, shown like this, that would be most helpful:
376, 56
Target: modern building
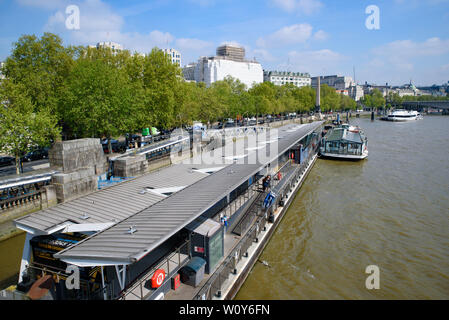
189, 72
280, 78
335, 81
356, 92
229, 61
1, 67
112, 45
174, 55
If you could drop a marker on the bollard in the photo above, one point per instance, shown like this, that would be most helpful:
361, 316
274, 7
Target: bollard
372, 115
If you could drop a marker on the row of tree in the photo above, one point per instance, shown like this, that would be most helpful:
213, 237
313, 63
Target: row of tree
377, 100
51, 90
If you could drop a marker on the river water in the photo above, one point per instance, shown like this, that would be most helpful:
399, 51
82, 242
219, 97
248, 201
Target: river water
391, 210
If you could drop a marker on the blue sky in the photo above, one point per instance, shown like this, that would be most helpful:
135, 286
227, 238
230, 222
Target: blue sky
316, 36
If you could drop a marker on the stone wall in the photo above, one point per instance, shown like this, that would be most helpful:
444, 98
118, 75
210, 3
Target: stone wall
80, 162
130, 166
72, 155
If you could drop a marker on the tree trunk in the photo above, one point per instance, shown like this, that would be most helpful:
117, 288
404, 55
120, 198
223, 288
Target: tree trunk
18, 165
109, 144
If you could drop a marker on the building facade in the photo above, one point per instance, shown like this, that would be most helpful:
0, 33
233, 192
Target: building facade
228, 62
335, 81
356, 92
109, 44
1, 67
175, 55
280, 78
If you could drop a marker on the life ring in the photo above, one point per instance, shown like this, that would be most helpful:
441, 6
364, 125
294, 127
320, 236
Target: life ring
158, 278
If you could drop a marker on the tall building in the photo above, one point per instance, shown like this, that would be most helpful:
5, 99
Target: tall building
283, 77
1, 66
231, 52
356, 92
174, 55
230, 61
335, 81
112, 45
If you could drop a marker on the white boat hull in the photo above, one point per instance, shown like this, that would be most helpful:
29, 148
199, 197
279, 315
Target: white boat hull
399, 119
364, 155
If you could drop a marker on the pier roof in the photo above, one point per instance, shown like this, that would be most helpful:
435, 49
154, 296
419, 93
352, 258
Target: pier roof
113, 204
153, 225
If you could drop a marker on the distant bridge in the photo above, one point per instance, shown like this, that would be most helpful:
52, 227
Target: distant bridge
443, 104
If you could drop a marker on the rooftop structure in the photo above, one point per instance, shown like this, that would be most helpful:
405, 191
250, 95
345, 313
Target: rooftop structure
230, 61
231, 52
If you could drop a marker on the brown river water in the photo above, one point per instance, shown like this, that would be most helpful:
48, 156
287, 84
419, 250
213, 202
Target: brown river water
391, 210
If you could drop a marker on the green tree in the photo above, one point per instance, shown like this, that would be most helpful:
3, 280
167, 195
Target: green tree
330, 100
22, 127
160, 81
100, 100
41, 65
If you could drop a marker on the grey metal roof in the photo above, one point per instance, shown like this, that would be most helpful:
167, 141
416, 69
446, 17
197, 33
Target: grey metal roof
339, 134
157, 223
112, 204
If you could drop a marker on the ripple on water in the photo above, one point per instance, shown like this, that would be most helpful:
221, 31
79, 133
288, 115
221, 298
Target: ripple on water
391, 210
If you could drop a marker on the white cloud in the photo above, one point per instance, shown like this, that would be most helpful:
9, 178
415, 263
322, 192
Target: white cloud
320, 35
264, 55
403, 54
294, 34
299, 6
196, 45
410, 49
321, 62
399, 61
44, 4
98, 22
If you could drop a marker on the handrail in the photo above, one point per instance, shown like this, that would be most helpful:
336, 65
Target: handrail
217, 279
149, 273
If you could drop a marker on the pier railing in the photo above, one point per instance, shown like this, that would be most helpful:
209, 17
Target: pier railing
20, 200
214, 285
171, 263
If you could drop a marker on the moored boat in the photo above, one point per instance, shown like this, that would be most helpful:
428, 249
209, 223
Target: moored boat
400, 115
344, 142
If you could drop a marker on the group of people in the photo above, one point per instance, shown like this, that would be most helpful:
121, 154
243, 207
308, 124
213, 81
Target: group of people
266, 182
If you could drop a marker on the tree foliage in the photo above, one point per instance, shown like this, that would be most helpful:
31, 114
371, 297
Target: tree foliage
22, 127
90, 92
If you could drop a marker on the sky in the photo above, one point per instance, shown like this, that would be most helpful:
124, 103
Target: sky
321, 37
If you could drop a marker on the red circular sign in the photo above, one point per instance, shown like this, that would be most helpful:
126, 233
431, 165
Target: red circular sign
158, 278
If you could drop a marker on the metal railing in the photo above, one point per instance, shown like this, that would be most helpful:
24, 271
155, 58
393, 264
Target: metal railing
88, 290
136, 288
20, 199
214, 284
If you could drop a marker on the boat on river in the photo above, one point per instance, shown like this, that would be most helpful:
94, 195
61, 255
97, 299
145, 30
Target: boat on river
344, 142
401, 115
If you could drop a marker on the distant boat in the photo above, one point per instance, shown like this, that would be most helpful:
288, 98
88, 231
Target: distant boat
344, 142
400, 115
